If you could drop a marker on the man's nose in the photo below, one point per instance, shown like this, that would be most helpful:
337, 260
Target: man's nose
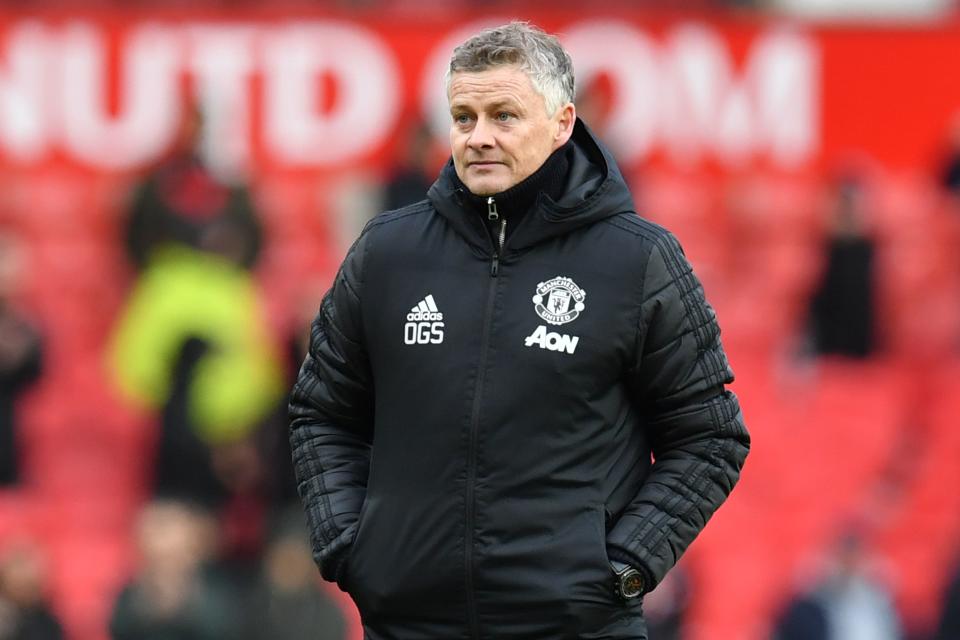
481, 137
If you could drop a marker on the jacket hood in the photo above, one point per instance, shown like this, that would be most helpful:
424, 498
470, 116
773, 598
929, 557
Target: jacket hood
594, 189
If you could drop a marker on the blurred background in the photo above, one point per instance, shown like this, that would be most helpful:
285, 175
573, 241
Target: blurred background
180, 180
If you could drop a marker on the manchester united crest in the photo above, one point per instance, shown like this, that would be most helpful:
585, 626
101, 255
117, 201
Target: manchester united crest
559, 300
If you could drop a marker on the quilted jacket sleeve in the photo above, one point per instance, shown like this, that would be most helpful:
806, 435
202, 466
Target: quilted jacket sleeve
696, 430
331, 418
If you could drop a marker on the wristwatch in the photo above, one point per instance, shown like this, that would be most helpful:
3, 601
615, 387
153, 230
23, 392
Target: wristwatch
628, 582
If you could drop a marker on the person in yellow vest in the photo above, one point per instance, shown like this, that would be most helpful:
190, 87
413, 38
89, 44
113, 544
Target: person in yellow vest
193, 344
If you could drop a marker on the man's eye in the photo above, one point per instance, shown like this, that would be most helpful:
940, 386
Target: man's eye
461, 118
503, 116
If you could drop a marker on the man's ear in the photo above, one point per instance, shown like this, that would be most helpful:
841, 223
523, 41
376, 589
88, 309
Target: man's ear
566, 118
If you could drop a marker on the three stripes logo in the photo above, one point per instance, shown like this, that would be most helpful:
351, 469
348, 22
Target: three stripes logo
424, 323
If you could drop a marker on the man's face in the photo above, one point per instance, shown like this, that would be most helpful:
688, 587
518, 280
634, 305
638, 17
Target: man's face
500, 131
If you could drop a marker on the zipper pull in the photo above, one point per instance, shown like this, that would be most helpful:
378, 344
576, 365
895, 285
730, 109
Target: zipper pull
492, 213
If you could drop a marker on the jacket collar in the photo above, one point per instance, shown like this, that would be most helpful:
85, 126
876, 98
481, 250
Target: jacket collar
550, 180
594, 189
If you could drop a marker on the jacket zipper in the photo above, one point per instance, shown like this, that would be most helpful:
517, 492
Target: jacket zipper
492, 215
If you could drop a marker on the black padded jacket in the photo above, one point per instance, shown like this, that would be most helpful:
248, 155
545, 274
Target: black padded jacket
473, 427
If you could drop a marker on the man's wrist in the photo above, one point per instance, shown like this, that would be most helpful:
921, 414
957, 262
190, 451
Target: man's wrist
628, 582
620, 559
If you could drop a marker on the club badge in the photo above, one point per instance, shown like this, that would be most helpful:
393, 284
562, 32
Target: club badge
559, 300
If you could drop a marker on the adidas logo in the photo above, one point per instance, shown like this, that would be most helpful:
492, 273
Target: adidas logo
426, 309
424, 323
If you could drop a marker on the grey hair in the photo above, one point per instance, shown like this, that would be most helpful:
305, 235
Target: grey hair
537, 53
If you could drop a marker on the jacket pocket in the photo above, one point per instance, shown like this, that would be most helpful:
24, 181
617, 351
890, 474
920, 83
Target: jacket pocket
597, 606
404, 562
346, 583
604, 518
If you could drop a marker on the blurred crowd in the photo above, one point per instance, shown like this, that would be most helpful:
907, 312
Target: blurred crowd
221, 541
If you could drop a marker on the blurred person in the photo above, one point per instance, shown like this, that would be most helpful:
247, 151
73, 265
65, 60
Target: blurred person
192, 343
848, 603
181, 202
172, 596
803, 618
842, 308
412, 176
858, 606
24, 611
20, 357
288, 603
491, 371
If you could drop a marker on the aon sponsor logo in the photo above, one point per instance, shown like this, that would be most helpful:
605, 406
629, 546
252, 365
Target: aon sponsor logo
552, 340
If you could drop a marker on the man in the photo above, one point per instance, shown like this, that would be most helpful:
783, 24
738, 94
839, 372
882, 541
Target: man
472, 429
